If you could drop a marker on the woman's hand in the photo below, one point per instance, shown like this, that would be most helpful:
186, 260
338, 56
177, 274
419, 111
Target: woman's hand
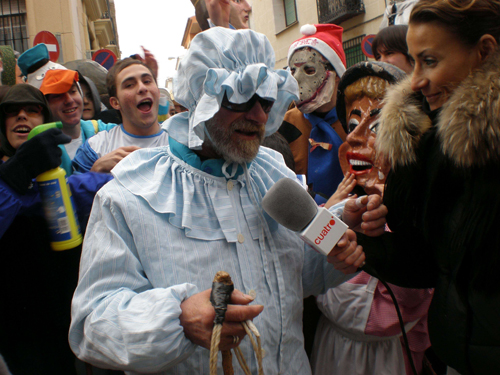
366, 215
343, 190
347, 256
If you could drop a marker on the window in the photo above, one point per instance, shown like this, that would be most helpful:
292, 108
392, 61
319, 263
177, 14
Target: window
353, 52
338, 11
13, 30
290, 12
285, 14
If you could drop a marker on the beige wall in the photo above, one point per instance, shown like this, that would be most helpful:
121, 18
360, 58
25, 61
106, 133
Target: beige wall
264, 17
266, 13
77, 24
367, 23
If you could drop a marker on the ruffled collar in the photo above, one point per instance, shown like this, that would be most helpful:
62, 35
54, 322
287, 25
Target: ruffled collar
200, 203
215, 167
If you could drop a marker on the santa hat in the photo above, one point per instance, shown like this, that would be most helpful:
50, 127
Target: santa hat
327, 40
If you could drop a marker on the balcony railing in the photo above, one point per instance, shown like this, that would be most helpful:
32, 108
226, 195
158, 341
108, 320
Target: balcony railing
338, 11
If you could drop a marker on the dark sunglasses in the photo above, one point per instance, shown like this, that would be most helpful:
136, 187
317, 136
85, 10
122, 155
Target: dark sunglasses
30, 109
245, 107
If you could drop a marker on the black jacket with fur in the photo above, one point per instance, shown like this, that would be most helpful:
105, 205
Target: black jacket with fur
443, 196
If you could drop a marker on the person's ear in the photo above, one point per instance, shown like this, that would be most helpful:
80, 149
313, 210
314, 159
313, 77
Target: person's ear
115, 103
337, 81
487, 45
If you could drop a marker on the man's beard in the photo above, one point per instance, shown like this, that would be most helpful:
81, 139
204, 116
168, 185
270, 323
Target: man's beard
235, 150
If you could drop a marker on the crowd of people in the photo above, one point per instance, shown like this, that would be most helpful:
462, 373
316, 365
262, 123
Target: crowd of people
403, 149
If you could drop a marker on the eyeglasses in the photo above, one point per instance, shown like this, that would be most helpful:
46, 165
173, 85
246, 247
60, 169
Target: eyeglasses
30, 109
245, 107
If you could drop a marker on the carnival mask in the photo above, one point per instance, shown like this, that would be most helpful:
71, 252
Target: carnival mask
316, 82
357, 154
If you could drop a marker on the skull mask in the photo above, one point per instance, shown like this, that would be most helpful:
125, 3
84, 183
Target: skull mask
316, 78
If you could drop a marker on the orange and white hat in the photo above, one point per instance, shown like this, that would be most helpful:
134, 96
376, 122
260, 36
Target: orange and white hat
34, 64
58, 81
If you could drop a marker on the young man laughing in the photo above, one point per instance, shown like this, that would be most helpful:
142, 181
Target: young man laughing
134, 93
65, 97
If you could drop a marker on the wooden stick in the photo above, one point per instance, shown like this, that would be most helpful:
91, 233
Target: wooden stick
227, 362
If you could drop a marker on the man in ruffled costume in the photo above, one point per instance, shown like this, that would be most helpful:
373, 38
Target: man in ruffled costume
317, 61
174, 216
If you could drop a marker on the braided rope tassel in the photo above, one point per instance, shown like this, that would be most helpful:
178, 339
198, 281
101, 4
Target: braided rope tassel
222, 288
214, 348
257, 347
241, 360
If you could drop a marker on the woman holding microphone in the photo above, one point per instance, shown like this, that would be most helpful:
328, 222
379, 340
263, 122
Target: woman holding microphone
441, 132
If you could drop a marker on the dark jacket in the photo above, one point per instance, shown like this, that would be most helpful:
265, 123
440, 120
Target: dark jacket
37, 283
444, 211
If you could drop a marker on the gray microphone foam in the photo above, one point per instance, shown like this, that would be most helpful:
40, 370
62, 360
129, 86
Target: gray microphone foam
289, 204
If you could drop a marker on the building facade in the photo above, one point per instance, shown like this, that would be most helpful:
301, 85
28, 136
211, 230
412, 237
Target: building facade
81, 27
281, 20
282, 25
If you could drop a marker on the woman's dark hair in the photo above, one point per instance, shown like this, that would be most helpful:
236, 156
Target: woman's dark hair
392, 38
469, 20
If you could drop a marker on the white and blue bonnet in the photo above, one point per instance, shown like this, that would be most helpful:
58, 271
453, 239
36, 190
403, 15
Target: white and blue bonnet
239, 63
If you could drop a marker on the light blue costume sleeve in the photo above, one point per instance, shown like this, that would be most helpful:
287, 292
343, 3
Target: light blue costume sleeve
83, 188
318, 275
338, 209
84, 159
117, 316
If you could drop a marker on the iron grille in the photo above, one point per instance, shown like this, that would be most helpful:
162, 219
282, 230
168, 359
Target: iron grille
353, 52
338, 11
13, 30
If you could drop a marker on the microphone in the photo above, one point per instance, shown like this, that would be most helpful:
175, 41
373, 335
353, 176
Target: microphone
291, 206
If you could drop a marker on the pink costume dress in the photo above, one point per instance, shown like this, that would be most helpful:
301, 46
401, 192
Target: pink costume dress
359, 332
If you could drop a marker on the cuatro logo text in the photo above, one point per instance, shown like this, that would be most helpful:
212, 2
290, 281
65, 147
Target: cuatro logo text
324, 232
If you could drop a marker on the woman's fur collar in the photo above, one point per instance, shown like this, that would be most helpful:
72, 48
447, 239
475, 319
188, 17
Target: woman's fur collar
468, 125
402, 123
